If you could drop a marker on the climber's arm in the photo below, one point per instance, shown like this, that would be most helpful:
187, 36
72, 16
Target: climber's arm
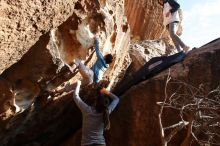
68, 87
98, 52
81, 104
115, 99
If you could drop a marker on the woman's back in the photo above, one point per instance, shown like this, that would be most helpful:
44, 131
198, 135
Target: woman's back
93, 121
93, 127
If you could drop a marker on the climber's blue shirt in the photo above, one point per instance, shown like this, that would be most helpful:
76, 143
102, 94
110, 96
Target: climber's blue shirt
100, 65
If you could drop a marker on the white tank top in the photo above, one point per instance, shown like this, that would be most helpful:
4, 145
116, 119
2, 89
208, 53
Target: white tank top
172, 17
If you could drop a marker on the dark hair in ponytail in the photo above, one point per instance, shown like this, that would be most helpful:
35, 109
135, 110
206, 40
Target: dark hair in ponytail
102, 107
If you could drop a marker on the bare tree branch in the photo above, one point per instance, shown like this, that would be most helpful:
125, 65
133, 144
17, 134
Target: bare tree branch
202, 109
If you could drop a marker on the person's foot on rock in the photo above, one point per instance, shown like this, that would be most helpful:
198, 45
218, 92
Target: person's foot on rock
186, 49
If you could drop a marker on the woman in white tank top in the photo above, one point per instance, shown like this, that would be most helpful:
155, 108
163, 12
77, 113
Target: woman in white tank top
172, 15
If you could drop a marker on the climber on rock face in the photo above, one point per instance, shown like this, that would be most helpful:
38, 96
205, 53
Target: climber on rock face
171, 20
96, 117
94, 74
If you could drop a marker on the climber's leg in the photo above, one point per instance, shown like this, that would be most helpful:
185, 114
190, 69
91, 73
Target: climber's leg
176, 40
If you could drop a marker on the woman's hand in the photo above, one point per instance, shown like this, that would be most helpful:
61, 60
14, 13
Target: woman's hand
78, 82
69, 87
104, 91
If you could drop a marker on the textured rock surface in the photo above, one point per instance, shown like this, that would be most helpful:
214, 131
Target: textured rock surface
48, 124
135, 120
44, 63
45, 57
44, 66
6, 94
140, 52
146, 21
23, 22
144, 18
139, 123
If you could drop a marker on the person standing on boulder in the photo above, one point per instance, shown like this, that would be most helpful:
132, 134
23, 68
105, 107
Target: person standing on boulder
170, 21
94, 74
96, 117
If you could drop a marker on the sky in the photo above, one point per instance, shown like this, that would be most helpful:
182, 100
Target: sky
201, 21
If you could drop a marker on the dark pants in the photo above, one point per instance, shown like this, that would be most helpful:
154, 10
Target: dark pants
176, 40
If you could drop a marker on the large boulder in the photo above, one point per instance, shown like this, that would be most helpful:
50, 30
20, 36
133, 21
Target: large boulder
136, 120
23, 22
45, 64
47, 59
141, 52
144, 18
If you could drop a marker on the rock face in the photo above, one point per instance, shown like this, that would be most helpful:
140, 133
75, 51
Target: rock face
42, 124
46, 63
6, 94
139, 124
146, 21
144, 18
23, 22
135, 121
47, 36
140, 52
54, 44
